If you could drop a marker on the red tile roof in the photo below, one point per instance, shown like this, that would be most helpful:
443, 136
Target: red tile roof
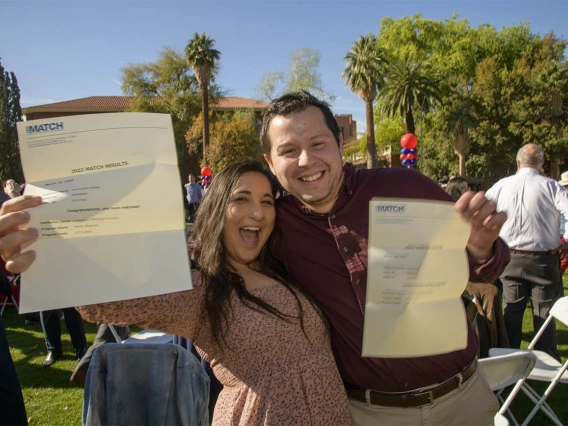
120, 103
234, 102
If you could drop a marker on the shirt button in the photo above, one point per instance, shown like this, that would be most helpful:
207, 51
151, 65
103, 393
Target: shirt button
406, 385
333, 216
357, 281
345, 249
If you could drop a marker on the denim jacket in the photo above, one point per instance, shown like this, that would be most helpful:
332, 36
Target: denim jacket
145, 384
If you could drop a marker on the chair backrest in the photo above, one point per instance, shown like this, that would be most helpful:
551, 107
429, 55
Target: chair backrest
506, 370
158, 384
560, 310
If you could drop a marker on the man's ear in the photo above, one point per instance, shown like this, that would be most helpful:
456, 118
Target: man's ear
267, 159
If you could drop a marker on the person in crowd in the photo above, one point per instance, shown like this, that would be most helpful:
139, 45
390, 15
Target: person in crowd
563, 255
12, 189
266, 340
194, 195
50, 323
324, 224
534, 205
456, 187
3, 196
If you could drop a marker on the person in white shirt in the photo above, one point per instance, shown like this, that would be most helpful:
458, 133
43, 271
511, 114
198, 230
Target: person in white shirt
534, 205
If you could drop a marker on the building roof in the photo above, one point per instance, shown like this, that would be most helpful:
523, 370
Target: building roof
120, 103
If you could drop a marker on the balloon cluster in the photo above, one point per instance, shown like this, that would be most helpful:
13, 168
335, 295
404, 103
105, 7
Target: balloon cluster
408, 153
205, 177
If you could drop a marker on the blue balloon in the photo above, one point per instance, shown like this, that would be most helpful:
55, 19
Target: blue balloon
405, 151
406, 162
413, 151
413, 161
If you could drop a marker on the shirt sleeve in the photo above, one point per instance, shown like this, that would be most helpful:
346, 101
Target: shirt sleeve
561, 201
180, 313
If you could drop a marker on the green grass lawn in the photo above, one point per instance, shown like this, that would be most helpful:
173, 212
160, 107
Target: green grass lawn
51, 399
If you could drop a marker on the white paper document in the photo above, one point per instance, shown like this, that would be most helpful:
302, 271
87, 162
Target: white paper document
111, 226
417, 271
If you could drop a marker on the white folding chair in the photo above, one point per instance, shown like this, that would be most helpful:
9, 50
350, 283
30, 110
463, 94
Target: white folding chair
547, 369
504, 371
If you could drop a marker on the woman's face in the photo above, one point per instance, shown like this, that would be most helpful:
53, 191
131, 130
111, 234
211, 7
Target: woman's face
249, 219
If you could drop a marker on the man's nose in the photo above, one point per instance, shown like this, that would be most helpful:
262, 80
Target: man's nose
305, 158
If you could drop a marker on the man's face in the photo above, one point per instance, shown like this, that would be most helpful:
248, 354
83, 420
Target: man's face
191, 179
306, 159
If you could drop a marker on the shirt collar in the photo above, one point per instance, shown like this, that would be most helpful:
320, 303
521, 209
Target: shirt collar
528, 171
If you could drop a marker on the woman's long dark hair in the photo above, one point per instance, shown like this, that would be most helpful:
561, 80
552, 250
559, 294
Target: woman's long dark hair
210, 255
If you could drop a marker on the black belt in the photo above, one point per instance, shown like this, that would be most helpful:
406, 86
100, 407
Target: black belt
412, 399
535, 253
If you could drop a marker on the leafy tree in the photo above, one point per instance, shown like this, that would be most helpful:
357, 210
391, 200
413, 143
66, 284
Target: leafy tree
168, 86
10, 114
234, 137
364, 74
301, 74
203, 59
408, 88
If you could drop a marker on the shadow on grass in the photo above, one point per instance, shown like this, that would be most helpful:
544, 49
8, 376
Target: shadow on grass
27, 346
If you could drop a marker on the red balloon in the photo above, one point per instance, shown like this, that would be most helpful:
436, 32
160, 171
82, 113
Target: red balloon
410, 156
205, 171
408, 141
403, 156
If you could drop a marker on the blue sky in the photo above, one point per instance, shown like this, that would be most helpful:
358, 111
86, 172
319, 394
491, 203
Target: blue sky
63, 50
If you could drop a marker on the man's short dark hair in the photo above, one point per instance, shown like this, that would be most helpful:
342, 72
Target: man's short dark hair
290, 103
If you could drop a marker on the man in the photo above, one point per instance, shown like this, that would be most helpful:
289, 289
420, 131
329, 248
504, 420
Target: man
563, 229
324, 224
533, 204
194, 195
52, 334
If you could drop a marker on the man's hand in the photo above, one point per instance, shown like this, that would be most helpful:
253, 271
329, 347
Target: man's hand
13, 234
486, 222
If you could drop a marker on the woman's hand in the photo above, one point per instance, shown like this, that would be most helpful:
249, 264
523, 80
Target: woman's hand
14, 236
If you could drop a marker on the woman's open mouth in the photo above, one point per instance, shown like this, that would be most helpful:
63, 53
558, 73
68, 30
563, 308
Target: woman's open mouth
250, 235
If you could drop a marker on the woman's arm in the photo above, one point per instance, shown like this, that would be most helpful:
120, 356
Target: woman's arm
179, 313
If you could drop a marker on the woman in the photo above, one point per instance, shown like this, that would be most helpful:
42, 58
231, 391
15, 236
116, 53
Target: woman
265, 339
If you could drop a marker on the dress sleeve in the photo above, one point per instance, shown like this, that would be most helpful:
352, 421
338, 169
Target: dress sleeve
180, 313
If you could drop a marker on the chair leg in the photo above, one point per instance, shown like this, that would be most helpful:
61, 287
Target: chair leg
534, 396
3, 305
15, 303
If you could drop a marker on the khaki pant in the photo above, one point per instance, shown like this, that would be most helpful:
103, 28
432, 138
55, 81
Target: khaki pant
473, 404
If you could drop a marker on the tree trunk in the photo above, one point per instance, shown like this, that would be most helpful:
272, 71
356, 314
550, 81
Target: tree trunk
555, 167
371, 149
410, 122
205, 111
462, 164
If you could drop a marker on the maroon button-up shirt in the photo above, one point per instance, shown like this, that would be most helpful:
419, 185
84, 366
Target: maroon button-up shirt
327, 255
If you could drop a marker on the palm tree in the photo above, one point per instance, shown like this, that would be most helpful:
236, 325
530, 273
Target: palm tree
408, 88
363, 74
459, 119
202, 58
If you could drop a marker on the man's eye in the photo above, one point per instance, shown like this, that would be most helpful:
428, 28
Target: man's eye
268, 202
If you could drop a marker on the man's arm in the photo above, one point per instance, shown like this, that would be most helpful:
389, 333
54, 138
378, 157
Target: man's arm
561, 201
